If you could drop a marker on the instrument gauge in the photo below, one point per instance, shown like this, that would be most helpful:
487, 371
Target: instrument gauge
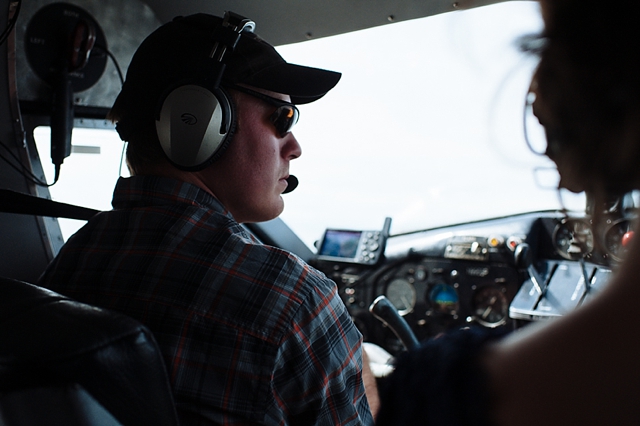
617, 238
444, 299
573, 238
490, 306
402, 294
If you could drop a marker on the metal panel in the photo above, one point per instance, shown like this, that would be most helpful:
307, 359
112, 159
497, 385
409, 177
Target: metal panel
292, 21
25, 248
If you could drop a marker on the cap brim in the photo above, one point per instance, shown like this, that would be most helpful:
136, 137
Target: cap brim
303, 84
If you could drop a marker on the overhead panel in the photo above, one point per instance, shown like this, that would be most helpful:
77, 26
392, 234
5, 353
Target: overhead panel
292, 21
278, 21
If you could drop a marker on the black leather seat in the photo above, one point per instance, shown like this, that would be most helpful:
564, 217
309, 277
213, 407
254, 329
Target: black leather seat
67, 360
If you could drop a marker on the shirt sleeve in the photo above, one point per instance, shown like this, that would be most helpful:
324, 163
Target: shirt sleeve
318, 374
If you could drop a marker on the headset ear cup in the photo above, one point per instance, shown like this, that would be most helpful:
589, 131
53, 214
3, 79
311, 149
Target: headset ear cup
222, 148
193, 126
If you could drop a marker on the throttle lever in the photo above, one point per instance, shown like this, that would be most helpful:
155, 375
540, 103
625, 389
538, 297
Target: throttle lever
383, 310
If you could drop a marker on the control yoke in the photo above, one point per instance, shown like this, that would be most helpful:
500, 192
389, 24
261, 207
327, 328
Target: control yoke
383, 310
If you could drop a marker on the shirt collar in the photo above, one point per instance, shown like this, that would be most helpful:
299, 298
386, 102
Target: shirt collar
147, 191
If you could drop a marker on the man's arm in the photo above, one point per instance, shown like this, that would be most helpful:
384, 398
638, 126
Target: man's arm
318, 377
370, 384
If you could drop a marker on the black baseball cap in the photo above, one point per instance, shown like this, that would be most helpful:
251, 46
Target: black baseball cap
178, 52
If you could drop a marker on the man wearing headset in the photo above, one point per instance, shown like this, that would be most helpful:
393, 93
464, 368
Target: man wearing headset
249, 333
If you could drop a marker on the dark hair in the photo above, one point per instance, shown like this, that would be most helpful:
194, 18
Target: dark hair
143, 146
588, 89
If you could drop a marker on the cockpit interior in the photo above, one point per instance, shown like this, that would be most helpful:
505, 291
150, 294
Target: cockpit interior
400, 282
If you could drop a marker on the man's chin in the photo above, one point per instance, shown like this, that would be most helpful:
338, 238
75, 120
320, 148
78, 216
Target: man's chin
264, 215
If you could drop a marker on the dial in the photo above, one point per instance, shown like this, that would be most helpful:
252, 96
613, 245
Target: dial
444, 299
617, 238
490, 306
402, 294
573, 238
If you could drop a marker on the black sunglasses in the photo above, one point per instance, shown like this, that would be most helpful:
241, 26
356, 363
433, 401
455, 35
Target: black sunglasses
283, 118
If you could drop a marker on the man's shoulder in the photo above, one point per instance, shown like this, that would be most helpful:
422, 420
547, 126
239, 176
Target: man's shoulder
283, 276
284, 267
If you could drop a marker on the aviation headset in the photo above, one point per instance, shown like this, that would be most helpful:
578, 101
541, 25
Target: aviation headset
195, 120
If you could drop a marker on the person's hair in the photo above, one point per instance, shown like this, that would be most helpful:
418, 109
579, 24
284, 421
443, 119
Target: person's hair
588, 81
143, 147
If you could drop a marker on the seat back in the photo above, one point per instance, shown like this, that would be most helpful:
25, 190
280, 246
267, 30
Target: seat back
68, 405
52, 347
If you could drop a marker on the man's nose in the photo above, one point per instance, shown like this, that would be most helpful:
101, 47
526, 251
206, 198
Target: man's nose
292, 148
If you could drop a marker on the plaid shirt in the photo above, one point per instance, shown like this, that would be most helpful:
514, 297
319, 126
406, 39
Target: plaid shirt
250, 333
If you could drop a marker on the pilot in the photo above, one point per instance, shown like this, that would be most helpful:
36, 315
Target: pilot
250, 333
582, 368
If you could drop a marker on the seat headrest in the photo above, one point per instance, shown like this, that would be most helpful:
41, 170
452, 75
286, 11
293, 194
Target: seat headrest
50, 339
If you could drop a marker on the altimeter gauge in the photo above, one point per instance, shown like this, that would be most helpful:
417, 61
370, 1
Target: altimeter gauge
402, 294
573, 238
490, 306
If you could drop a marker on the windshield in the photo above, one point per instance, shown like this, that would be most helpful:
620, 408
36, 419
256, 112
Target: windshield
425, 127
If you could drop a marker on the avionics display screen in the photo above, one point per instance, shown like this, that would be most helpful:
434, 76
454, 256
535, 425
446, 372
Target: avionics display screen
338, 243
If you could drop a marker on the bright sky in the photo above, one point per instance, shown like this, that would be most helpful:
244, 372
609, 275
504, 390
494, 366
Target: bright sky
425, 127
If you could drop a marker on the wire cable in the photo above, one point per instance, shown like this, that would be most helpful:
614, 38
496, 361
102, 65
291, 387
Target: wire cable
113, 59
119, 70
12, 23
17, 165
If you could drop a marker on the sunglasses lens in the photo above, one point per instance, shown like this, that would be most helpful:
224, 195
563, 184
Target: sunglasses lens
284, 118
